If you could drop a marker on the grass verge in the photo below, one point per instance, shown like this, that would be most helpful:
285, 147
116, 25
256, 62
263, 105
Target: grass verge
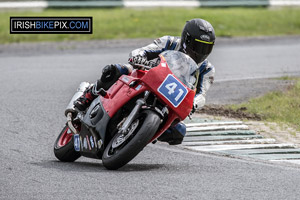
151, 23
279, 107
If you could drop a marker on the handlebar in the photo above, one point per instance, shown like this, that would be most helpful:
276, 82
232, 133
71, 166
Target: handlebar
141, 63
140, 66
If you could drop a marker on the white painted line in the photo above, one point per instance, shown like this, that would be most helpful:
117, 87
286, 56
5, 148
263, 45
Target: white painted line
293, 161
220, 133
213, 124
239, 146
218, 128
283, 156
254, 141
221, 138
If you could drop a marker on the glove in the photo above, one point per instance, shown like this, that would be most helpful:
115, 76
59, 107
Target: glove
140, 62
199, 102
136, 61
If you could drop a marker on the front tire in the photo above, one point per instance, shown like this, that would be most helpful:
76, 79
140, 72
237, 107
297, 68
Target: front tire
119, 152
64, 146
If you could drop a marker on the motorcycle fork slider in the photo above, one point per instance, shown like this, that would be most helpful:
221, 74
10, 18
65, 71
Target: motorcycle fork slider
134, 112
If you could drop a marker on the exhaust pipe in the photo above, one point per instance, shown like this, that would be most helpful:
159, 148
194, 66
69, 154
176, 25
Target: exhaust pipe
70, 110
82, 87
70, 124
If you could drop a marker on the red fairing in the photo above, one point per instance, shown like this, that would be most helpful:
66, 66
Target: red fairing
65, 138
154, 78
121, 92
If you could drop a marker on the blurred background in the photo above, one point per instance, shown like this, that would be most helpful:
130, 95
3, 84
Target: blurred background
118, 19
256, 52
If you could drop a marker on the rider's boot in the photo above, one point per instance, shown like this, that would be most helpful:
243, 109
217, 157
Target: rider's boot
85, 100
110, 75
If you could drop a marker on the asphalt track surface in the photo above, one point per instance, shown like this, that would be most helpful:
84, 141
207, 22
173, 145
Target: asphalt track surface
37, 81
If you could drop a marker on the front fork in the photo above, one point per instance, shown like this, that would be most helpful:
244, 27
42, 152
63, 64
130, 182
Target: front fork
134, 113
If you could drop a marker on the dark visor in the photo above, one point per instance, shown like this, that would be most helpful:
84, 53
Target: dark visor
202, 47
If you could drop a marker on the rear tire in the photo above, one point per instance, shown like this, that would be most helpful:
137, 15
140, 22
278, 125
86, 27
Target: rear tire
145, 126
64, 146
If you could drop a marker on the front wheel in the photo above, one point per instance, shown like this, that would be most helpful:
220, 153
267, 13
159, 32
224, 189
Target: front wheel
64, 146
124, 147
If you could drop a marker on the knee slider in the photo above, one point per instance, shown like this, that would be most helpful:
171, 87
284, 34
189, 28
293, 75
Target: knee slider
180, 128
174, 135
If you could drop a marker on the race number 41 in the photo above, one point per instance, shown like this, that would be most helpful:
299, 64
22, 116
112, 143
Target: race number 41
173, 90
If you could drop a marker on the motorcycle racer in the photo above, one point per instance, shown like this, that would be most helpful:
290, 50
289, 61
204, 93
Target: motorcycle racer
197, 40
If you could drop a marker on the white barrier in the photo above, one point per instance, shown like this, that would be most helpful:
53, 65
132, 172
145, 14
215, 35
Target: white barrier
24, 4
284, 3
162, 3
145, 3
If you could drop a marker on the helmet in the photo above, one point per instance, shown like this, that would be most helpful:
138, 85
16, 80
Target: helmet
197, 39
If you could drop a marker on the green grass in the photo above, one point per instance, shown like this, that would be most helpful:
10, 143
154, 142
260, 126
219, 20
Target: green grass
280, 107
151, 23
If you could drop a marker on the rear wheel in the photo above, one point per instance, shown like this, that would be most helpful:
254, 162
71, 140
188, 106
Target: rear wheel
124, 147
64, 146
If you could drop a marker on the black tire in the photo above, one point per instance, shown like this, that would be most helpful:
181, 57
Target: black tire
65, 152
148, 125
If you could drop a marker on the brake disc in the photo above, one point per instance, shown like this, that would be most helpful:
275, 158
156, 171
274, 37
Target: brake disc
124, 136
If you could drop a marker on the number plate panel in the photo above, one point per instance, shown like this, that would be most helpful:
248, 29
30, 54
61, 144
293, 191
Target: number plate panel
173, 90
76, 142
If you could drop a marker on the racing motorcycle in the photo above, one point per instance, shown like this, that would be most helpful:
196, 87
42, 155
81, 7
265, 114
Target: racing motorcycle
133, 112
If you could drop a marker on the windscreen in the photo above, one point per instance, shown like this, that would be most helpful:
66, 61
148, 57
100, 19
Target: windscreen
182, 66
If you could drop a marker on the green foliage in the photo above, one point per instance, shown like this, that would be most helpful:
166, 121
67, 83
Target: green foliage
281, 107
151, 23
